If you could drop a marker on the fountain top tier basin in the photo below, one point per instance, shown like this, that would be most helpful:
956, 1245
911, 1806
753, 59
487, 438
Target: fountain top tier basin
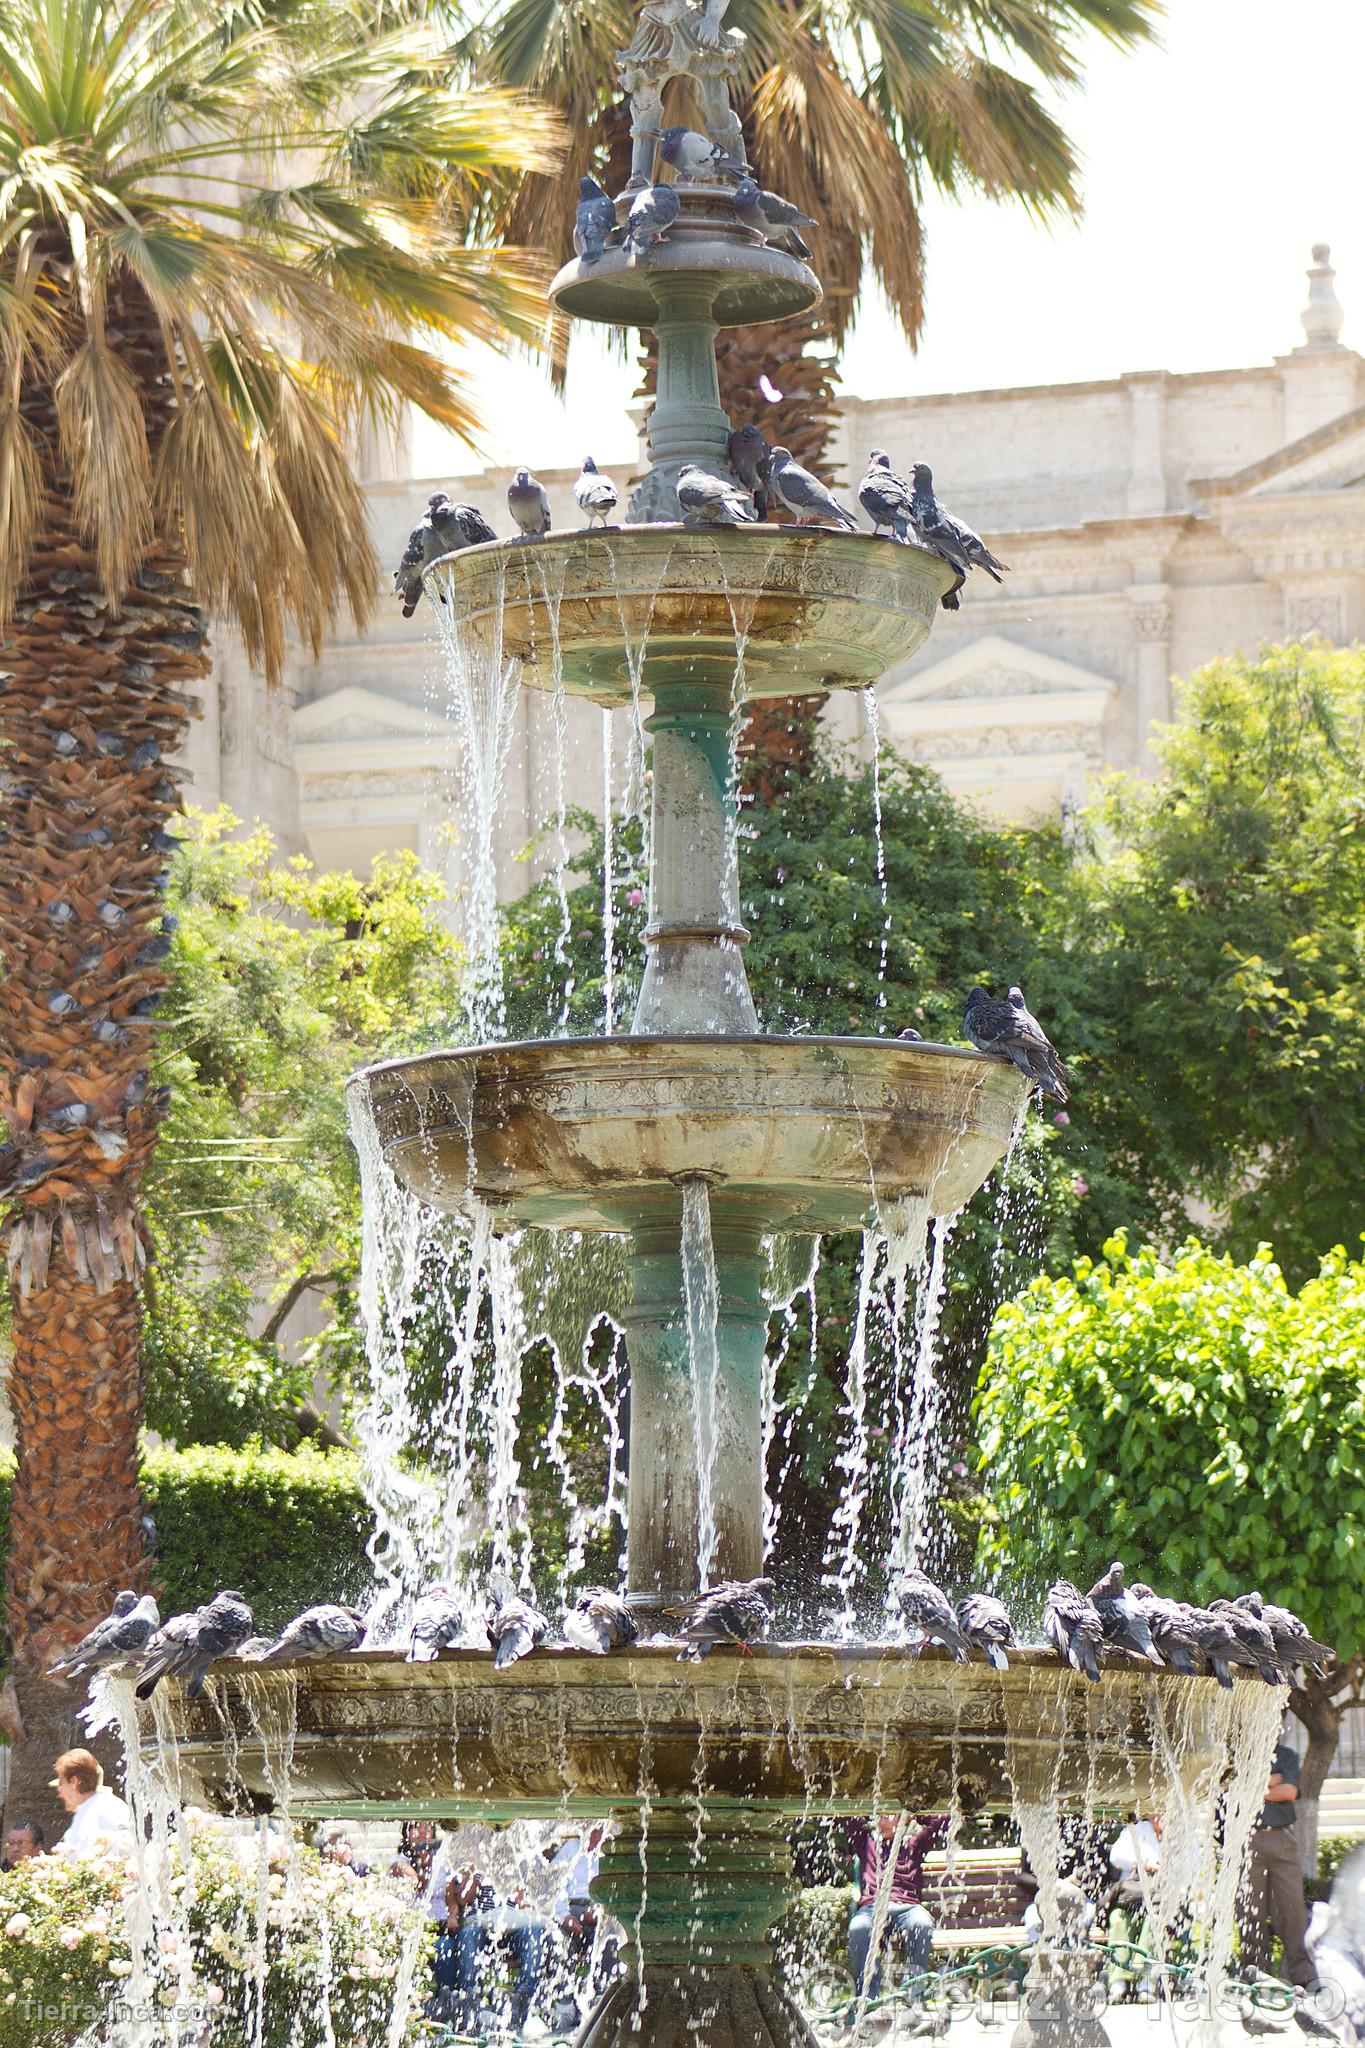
800, 1730
609, 614
792, 1134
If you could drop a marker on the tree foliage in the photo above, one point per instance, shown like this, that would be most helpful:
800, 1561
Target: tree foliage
1193, 1415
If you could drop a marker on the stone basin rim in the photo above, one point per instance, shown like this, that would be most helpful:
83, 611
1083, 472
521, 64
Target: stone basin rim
621, 1040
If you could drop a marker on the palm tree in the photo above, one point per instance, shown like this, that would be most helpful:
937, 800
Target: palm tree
852, 112
229, 240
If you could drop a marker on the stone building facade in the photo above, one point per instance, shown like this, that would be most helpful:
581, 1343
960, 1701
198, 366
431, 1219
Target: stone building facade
1152, 521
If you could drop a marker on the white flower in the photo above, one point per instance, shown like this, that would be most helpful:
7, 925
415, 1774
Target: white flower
71, 1937
119, 1968
17, 1926
214, 1993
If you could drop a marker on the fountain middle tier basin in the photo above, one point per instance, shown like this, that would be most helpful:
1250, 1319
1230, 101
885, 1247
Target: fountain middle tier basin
798, 1134
798, 1729
817, 609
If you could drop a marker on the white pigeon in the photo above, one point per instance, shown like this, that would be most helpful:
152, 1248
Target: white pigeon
594, 494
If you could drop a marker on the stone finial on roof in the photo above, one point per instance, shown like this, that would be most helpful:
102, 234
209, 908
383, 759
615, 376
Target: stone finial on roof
1322, 317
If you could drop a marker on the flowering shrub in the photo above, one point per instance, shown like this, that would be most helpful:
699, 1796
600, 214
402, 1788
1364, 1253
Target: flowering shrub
317, 1950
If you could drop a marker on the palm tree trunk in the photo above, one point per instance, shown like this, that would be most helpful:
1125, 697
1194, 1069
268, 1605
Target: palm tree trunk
90, 703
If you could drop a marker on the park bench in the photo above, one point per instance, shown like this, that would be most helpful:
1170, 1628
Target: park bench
981, 1905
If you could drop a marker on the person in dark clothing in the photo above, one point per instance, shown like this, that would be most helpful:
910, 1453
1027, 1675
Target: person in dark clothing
1271, 1899
908, 1920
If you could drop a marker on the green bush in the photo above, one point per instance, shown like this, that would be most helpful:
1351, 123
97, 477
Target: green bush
811, 1939
1333, 1851
285, 1528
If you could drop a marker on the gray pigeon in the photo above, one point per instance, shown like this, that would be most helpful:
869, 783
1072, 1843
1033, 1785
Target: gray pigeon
911, 1036
738, 1612
930, 1611
1074, 1629
885, 497
516, 1628
598, 1621
1252, 1633
528, 504
651, 215
594, 219
804, 495
695, 156
708, 500
215, 1630
123, 1632
1216, 1641
776, 219
1169, 1623
594, 494
985, 1621
950, 537
458, 526
424, 545
1010, 1027
318, 1632
1121, 1616
1293, 1644
748, 451
437, 1622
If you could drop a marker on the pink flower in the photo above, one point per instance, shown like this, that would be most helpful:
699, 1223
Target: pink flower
1061, 1117
17, 1926
214, 1993
71, 1937
634, 898
1079, 1186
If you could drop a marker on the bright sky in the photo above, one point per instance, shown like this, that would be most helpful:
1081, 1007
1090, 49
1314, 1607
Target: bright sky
1211, 166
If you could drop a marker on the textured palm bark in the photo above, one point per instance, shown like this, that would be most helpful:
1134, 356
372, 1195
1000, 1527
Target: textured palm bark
91, 705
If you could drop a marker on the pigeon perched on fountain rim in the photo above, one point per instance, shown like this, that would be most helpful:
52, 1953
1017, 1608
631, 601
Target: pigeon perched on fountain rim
749, 458
125, 1630
776, 219
985, 1621
529, 504
651, 215
1073, 1628
708, 500
1293, 1643
594, 494
885, 497
214, 1630
437, 1620
516, 1628
322, 1631
736, 1612
811, 502
691, 154
1121, 1616
1011, 1028
594, 219
927, 1608
599, 1621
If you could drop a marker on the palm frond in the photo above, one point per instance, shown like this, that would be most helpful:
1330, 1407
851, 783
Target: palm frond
104, 440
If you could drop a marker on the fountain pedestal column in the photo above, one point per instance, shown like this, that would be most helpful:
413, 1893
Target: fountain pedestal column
699, 1967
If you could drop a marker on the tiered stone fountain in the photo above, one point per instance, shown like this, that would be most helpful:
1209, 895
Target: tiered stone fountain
703, 1766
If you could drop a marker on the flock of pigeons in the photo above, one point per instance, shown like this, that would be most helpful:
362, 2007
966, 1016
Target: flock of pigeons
1083, 1628
761, 478
694, 160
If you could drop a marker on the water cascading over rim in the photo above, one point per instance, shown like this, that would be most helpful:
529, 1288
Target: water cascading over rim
693, 1120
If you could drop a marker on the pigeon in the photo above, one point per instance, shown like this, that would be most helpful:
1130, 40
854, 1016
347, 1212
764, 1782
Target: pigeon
191, 1643
1253, 1635
885, 497
695, 156
1074, 1629
651, 215
1011, 1028
1216, 1641
749, 452
1121, 1616
738, 1612
598, 1621
708, 500
910, 1035
1293, 1644
458, 526
985, 1621
594, 219
437, 1620
804, 495
1171, 1631
594, 494
931, 1612
776, 219
424, 545
516, 1628
123, 1632
318, 1632
949, 537
528, 504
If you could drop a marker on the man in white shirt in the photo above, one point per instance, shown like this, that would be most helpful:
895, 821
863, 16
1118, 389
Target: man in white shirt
100, 1820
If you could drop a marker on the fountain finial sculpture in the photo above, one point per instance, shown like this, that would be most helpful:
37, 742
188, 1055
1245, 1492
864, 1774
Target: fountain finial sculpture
680, 39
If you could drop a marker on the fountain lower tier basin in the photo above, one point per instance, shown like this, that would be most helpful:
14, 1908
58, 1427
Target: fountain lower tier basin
817, 609
790, 1730
795, 1134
